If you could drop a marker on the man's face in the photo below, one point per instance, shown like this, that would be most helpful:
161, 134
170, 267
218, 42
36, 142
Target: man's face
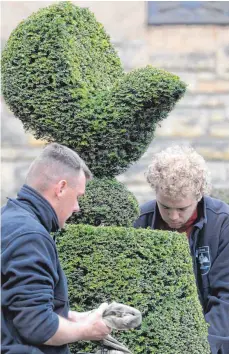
176, 212
68, 201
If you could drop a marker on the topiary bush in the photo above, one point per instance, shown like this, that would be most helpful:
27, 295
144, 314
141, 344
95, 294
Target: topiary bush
107, 202
62, 77
150, 270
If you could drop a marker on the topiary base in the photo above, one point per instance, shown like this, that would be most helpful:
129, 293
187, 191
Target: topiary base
149, 270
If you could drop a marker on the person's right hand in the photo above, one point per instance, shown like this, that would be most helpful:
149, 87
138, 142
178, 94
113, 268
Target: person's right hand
93, 327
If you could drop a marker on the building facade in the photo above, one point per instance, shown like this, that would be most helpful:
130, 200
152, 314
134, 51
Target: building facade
190, 40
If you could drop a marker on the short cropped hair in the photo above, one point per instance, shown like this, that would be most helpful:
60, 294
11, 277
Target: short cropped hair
55, 162
177, 171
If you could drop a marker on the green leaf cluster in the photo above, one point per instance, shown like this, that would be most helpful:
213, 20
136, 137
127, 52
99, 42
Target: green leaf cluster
106, 202
62, 77
150, 270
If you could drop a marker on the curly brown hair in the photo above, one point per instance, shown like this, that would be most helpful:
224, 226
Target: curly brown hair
179, 170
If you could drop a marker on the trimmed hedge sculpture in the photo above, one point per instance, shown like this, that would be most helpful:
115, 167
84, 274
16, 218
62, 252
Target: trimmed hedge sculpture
106, 202
150, 270
62, 77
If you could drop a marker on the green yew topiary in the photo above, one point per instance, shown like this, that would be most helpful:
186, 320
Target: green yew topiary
62, 77
107, 202
150, 270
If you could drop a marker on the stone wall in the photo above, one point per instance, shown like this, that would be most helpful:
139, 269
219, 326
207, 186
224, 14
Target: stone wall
198, 54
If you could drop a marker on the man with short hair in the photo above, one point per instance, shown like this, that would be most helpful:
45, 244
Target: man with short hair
181, 181
35, 310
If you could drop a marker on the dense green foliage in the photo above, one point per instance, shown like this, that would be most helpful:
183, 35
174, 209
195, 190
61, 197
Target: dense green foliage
221, 193
150, 270
107, 202
62, 77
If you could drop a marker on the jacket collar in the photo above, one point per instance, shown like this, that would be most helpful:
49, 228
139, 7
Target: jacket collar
33, 201
203, 214
155, 214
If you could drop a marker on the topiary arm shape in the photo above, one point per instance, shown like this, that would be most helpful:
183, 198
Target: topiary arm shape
62, 77
131, 110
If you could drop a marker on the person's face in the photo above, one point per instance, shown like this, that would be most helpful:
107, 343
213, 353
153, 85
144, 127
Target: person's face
176, 212
68, 197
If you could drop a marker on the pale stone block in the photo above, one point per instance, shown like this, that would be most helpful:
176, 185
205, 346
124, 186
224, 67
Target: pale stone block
180, 131
35, 142
219, 130
183, 38
20, 154
133, 54
217, 86
219, 173
7, 176
217, 102
191, 61
222, 63
184, 123
217, 117
210, 153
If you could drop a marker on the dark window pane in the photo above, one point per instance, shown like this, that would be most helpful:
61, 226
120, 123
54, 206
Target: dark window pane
188, 12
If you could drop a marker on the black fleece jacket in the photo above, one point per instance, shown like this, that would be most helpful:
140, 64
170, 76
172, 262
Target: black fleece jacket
34, 287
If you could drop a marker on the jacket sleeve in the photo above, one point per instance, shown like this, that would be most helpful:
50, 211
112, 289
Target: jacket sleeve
217, 311
30, 273
140, 222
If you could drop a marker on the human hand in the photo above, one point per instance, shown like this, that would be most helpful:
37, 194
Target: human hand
93, 326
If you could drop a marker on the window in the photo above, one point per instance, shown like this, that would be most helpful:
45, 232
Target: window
188, 12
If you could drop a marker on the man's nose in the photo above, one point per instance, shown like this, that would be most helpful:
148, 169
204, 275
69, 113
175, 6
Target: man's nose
173, 215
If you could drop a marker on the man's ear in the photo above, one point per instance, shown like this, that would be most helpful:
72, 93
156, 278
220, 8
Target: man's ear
60, 188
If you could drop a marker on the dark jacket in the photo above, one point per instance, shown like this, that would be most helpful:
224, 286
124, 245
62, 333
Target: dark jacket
209, 245
34, 287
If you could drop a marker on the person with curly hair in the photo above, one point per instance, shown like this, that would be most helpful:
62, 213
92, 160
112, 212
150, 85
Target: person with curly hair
181, 181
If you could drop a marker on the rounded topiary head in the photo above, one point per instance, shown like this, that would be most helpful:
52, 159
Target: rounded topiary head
106, 202
62, 77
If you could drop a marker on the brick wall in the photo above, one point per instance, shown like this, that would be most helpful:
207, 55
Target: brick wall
198, 54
